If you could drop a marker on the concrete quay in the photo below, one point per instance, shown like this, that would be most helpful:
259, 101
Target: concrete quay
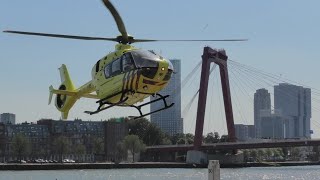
59, 166
64, 166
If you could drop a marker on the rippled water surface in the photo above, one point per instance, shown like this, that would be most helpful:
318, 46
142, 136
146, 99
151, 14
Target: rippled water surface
296, 173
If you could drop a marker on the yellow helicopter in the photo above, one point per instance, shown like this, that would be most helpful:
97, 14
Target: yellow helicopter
121, 78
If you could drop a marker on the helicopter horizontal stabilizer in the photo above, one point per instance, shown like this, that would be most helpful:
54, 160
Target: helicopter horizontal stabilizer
62, 92
69, 93
51, 94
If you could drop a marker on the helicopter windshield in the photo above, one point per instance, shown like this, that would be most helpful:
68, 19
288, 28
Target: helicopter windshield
143, 58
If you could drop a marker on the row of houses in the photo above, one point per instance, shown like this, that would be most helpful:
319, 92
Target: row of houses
97, 139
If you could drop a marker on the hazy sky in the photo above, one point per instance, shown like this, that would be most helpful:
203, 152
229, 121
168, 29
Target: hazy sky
283, 40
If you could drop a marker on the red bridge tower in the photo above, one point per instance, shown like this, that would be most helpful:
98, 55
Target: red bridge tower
220, 58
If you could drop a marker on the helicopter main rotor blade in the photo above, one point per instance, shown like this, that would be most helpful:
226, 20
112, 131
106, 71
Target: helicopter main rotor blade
62, 36
118, 20
190, 40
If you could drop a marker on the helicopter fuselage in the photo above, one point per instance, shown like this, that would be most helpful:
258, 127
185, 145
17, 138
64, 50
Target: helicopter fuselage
130, 72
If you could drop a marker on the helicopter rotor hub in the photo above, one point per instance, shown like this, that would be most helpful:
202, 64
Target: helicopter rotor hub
122, 40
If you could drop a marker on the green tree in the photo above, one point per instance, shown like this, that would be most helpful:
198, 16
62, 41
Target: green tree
133, 144
1, 153
285, 152
184, 138
246, 154
149, 133
175, 138
121, 152
295, 153
216, 136
166, 141
20, 146
275, 154
209, 138
98, 145
224, 138
261, 154
79, 150
316, 153
280, 152
268, 153
212, 137
61, 146
41, 153
189, 138
254, 154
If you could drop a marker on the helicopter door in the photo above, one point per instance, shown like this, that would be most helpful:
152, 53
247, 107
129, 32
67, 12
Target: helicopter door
127, 63
117, 75
116, 67
113, 81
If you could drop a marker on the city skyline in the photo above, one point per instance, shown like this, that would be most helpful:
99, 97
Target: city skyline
282, 42
289, 116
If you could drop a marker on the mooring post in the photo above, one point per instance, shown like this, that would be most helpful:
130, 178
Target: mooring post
214, 170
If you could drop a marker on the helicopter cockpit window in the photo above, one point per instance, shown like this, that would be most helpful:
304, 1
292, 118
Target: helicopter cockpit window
127, 63
116, 67
107, 71
143, 58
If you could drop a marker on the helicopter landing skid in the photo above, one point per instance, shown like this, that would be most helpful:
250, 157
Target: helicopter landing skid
101, 108
163, 98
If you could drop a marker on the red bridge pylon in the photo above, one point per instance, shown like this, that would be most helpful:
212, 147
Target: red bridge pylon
220, 58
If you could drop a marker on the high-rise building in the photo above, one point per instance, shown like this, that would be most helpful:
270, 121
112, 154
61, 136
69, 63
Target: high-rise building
273, 124
295, 102
8, 118
262, 101
242, 132
170, 120
251, 131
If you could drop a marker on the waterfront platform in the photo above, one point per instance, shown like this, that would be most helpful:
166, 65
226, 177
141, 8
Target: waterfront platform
59, 166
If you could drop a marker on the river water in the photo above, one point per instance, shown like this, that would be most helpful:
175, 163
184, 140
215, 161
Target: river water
294, 173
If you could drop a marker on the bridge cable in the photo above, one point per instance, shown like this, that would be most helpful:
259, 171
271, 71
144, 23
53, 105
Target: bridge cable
187, 79
237, 103
250, 76
264, 80
273, 76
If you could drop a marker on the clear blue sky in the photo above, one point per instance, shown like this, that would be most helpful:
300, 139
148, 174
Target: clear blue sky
284, 39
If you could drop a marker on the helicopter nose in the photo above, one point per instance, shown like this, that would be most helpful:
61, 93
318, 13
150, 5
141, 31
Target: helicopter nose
164, 66
170, 66
166, 70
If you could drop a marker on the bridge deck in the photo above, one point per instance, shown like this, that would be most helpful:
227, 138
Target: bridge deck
237, 145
